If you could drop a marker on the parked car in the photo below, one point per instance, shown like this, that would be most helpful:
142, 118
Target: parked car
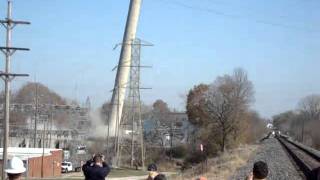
66, 167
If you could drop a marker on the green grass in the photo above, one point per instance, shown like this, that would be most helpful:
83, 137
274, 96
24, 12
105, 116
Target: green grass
126, 173
123, 172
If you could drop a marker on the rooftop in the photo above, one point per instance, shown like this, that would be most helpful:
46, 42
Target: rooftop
26, 153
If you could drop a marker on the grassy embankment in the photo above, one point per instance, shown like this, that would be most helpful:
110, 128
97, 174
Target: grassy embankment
221, 167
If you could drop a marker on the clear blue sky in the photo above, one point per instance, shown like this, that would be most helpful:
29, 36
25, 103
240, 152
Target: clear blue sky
71, 41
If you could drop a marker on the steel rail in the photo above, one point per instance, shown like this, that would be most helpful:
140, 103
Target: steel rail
306, 160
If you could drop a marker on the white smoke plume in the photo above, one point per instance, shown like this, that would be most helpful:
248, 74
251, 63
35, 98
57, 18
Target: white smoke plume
99, 127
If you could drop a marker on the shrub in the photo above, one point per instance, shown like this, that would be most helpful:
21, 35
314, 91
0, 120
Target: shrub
177, 152
193, 158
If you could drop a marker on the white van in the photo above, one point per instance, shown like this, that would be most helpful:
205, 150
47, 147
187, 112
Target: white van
66, 167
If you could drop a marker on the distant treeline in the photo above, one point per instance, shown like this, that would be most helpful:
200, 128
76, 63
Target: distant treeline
303, 123
36, 94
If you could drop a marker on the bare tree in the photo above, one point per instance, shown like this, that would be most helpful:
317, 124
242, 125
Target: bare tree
255, 128
310, 107
160, 113
282, 121
160, 120
225, 99
303, 124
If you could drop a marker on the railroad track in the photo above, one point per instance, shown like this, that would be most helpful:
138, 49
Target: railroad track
308, 161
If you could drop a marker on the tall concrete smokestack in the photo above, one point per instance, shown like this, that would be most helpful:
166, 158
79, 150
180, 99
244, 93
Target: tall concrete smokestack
123, 71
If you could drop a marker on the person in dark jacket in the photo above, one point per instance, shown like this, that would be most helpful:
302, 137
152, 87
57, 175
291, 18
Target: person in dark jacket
160, 177
152, 168
96, 168
260, 171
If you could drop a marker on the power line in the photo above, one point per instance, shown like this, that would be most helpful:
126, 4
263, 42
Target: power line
226, 4
234, 16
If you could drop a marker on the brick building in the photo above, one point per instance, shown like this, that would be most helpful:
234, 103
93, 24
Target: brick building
32, 158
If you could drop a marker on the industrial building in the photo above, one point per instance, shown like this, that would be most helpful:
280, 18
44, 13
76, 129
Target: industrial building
38, 162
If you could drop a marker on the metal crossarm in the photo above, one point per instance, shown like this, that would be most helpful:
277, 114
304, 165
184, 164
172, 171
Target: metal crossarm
14, 48
7, 21
13, 74
8, 51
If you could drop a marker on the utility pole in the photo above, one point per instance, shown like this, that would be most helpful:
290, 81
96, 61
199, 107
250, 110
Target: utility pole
51, 124
117, 138
43, 144
171, 139
302, 130
8, 51
108, 133
35, 117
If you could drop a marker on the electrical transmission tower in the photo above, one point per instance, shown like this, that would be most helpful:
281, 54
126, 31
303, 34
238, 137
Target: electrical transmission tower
130, 140
8, 51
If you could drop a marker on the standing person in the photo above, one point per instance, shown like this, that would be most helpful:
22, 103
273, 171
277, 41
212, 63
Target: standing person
15, 169
152, 168
260, 171
96, 168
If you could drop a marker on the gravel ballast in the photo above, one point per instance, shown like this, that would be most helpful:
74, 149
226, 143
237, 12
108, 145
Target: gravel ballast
281, 167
